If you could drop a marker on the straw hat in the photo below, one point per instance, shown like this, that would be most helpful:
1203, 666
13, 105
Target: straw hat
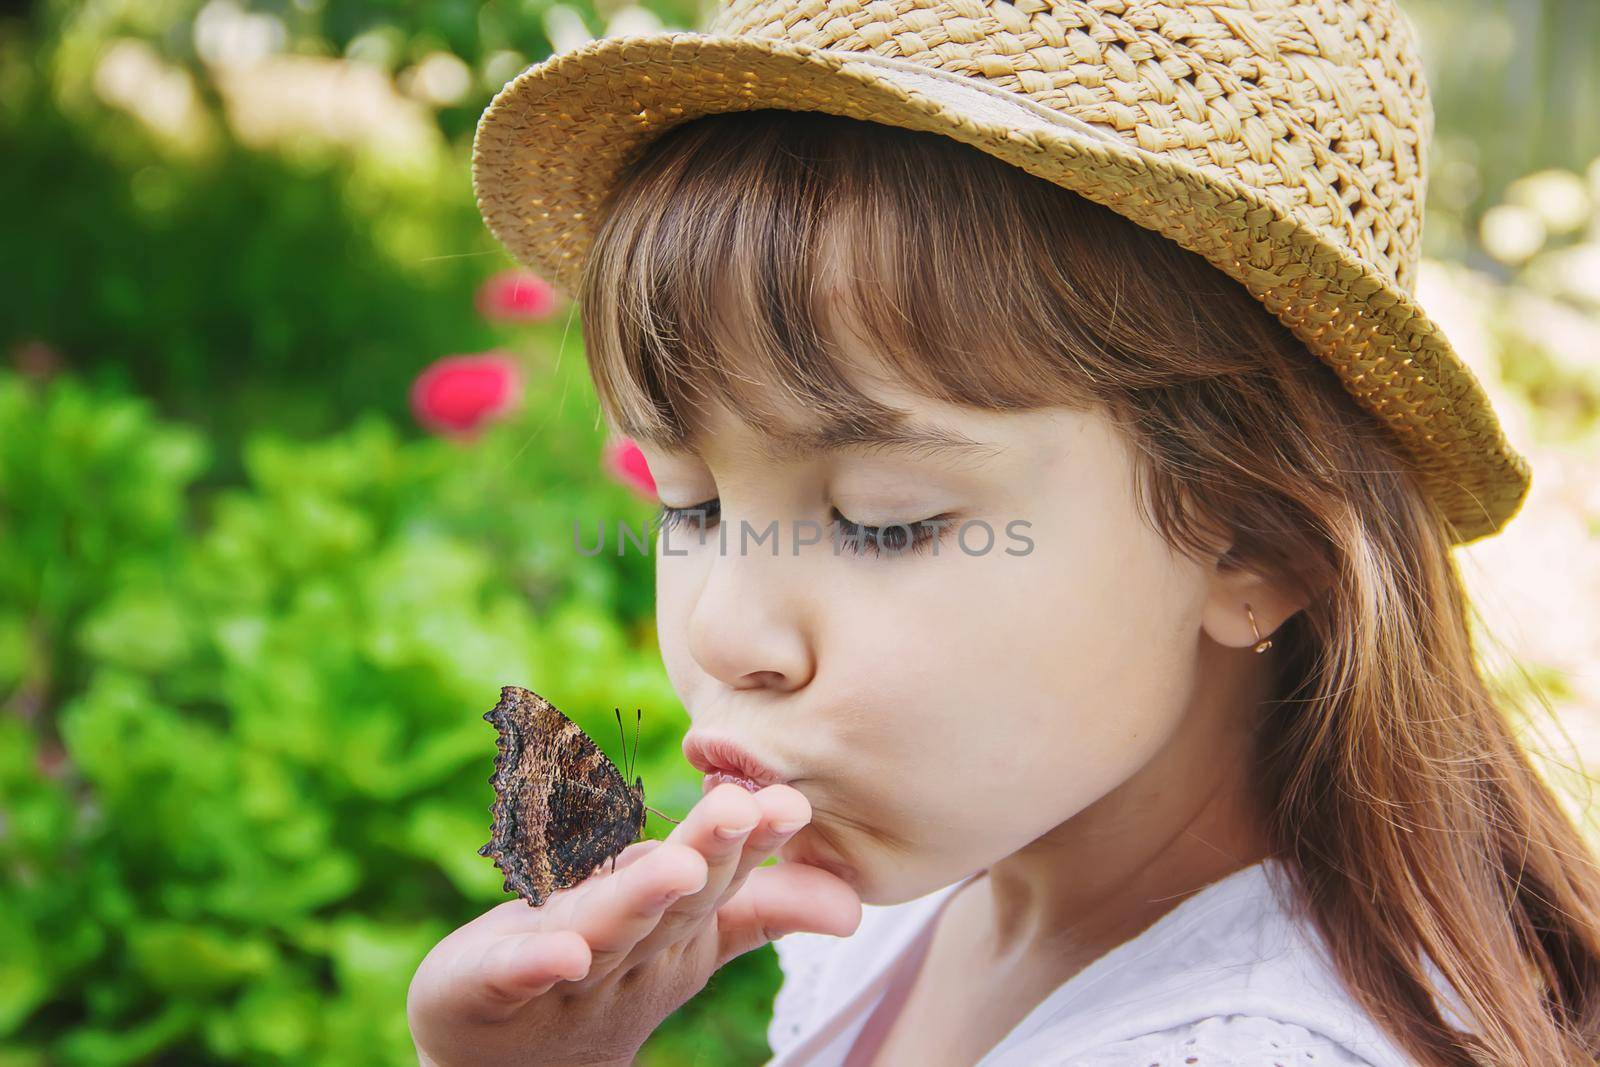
1283, 141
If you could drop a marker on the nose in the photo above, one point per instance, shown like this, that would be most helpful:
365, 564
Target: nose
747, 626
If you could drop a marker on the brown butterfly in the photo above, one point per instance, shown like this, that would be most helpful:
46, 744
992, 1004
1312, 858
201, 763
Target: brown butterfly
561, 808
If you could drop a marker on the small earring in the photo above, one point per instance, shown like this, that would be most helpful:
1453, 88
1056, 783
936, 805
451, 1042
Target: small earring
1260, 645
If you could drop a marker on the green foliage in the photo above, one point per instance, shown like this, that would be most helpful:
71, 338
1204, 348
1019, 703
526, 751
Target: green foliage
243, 770
235, 286
249, 290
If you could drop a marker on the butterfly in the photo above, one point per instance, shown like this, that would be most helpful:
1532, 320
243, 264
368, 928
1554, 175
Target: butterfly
561, 808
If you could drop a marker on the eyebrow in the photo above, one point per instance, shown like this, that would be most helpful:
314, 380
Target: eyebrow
843, 435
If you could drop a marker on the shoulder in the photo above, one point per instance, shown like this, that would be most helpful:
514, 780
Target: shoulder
1225, 1041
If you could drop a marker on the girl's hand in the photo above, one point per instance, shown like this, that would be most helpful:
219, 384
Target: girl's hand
588, 975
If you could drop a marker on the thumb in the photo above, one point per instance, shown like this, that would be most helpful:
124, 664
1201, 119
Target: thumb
784, 899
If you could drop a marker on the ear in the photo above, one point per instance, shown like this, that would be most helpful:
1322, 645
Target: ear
1225, 617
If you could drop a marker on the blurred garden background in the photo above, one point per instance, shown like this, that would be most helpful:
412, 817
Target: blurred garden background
290, 455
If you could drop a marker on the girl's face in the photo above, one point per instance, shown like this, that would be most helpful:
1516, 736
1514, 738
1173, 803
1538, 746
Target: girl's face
940, 709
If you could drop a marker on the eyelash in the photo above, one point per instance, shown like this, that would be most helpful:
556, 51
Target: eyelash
857, 539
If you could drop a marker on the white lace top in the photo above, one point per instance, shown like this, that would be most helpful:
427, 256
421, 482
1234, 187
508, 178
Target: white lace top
1231, 977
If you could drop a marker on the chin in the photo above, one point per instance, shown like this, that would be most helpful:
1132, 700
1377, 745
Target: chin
844, 872
839, 869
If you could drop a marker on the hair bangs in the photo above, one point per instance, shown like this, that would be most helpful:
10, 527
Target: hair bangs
730, 262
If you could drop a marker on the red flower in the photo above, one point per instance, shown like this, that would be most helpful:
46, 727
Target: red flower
52, 762
517, 296
624, 462
457, 395
36, 359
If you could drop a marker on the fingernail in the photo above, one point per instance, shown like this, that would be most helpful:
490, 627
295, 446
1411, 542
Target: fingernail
787, 827
733, 833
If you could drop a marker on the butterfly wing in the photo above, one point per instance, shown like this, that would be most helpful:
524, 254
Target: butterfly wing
561, 808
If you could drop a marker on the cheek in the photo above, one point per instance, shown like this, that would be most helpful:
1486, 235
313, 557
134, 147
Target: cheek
1123, 681
674, 602
1051, 678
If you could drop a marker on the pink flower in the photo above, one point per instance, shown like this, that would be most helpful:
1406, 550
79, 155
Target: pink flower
517, 296
624, 462
52, 761
36, 359
458, 395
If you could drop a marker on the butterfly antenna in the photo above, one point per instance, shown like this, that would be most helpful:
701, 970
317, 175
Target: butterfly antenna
623, 738
639, 714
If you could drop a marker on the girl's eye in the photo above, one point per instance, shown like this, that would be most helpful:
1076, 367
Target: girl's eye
697, 515
894, 538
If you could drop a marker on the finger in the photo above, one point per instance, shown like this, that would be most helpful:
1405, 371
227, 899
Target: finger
628, 857
623, 909
788, 898
495, 979
785, 812
518, 916
727, 809
636, 851
717, 827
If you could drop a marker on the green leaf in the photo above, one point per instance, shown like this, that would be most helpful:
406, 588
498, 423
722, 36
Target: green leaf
177, 958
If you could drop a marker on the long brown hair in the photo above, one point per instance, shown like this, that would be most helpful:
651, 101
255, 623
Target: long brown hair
1415, 826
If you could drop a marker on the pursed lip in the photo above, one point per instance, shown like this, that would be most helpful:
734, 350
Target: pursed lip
712, 754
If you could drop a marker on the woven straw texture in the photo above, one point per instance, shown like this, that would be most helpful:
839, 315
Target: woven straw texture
1285, 142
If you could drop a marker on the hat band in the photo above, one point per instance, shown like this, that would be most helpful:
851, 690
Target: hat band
978, 96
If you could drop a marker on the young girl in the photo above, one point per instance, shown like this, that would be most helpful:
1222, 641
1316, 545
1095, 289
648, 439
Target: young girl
1079, 606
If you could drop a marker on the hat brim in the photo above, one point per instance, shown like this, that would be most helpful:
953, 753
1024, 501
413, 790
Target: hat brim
551, 143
